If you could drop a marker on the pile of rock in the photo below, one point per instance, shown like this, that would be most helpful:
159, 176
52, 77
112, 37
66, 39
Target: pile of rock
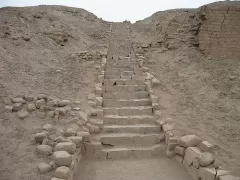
64, 148
89, 56
195, 155
42, 106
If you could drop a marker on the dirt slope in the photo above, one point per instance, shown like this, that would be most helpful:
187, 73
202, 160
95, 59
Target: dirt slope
200, 93
38, 47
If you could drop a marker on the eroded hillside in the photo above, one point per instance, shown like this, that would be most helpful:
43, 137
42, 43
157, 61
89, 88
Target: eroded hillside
43, 50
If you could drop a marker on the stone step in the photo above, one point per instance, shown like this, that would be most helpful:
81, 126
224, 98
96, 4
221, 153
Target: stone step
118, 77
118, 69
138, 128
118, 73
114, 82
130, 152
126, 102
122, 64
128, 111
128, 120
126, 88
129, 139
126, 95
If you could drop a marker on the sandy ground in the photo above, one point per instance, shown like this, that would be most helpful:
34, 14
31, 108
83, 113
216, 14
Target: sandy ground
132, 169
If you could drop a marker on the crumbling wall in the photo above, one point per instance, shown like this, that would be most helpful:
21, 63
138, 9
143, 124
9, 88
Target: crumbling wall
219, 34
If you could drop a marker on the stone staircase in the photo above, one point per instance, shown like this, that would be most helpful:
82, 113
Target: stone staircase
129, 127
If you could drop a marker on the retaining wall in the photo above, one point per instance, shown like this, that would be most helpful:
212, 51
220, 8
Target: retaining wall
219, 34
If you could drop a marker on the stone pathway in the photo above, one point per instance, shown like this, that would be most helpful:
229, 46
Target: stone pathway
130, 136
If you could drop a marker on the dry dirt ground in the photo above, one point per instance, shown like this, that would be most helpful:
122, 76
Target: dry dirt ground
132, 169
199, 93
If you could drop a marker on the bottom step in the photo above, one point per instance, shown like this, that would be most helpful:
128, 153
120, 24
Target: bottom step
125, 152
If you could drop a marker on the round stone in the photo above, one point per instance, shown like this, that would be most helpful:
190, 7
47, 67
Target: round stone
206, 159
189, 141
39, 137
63, 103
62, 158
62, 172
44, 168
22, 114
31, 107
44, 150
70, 147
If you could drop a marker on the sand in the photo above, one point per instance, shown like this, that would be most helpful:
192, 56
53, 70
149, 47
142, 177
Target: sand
132, 169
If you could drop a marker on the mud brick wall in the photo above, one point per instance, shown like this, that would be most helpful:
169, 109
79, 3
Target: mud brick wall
219, 34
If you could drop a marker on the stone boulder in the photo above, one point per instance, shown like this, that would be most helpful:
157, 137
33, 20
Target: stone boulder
44, 168
44, 150
39, 137
63, 103
22, 114
70, 147
206, 159
77, 140
62, 158
62, 172
189, 141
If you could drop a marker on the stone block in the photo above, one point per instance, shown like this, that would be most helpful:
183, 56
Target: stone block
180, 150
40, 103
62, 158
206, 146
196, 163
62, 172
63, 103
18, 100
70, 147
39, 137
167, 127
44, 150
17, 107
221, 172
191, 153
44, 168
189, 141
207, 173
8, 108
22, 114
31, 107
205, 159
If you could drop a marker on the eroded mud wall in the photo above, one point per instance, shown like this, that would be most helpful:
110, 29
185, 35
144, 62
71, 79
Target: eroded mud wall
219, 34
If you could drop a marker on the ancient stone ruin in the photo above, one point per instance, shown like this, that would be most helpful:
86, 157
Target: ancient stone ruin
123, 121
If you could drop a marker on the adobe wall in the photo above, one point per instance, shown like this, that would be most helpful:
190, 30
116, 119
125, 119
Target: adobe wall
219, 34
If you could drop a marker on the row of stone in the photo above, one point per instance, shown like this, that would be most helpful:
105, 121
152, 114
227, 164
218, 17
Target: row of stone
88, 56
44, 106
195, 155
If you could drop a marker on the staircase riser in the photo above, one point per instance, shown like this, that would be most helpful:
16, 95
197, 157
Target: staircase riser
126, 95
128, 112
113, 121
125, 103
124, 88
124, 154
142, 130
131, 141
112, 82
